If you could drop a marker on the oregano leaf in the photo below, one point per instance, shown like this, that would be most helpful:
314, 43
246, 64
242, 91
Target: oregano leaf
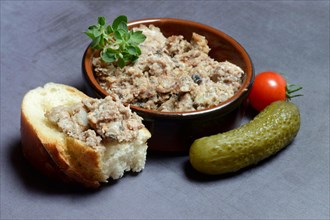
108, 57
138, 50
122, 26
118, 20
132, 50
118, 36
97, 32
101, 21
121, 63
95, 43
90, 34
137, 37
109, 29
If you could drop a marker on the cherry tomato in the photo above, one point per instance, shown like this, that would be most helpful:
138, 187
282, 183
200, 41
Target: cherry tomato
267, 87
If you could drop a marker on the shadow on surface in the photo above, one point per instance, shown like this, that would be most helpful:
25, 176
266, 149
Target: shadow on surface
151, 154
35, 181
250, 113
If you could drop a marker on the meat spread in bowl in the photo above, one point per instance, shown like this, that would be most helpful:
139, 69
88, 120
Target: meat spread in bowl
171, 75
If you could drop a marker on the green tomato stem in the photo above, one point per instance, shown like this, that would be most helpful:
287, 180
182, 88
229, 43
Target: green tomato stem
292, 88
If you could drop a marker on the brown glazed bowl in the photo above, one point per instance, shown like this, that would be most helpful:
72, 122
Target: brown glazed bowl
175, 131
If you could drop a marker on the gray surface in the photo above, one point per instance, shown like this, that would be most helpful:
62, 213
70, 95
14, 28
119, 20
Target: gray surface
42, 41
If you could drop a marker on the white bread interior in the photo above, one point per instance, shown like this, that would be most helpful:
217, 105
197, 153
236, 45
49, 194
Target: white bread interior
56, 154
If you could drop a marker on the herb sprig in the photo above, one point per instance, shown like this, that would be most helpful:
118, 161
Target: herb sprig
118, 45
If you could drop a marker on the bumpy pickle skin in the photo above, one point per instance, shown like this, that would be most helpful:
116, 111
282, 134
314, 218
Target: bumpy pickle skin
271, 130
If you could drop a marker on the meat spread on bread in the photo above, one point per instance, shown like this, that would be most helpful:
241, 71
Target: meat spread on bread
77, 139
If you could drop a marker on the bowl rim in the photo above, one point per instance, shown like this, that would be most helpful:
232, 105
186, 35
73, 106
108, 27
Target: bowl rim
231, 103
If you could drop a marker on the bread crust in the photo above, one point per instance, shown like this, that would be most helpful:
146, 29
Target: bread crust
36, 154
52, 152
44, 155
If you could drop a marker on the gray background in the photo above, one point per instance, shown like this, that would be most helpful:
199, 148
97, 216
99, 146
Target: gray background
43, 41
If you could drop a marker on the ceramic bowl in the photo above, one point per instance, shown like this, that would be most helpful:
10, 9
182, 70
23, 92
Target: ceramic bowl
175, 131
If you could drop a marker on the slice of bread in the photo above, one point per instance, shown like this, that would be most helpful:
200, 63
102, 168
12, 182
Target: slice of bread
71, 160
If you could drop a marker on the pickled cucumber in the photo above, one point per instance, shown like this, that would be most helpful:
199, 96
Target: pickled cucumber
270, 131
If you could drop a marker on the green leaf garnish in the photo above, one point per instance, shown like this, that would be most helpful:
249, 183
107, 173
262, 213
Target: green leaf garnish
137, 37
118, 45
101, 21
118, 20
